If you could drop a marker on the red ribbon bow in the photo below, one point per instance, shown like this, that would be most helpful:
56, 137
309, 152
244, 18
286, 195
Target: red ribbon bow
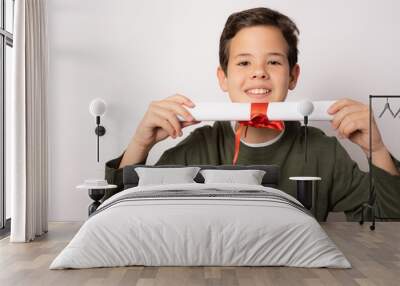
258, 119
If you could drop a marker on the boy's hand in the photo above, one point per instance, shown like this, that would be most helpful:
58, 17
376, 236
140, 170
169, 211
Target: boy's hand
161, 121
351, 119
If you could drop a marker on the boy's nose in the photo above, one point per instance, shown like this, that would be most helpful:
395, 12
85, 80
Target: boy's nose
259, 76
259, 73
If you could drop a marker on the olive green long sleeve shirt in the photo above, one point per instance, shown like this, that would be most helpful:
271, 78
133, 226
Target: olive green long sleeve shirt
343, 188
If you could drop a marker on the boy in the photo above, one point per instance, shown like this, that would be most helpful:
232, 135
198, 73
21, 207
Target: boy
258, 63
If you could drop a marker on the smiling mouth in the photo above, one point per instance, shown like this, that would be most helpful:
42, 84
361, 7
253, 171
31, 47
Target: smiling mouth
258, 92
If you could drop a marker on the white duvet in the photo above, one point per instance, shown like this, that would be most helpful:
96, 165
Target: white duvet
183, 231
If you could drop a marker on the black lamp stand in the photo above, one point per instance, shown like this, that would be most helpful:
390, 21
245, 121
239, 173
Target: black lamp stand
305, 138
100, 131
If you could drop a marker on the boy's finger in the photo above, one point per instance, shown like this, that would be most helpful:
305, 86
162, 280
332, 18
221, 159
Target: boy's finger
169, 116
179, 98
340, 104
352, 123
178, 109
343, 113
165, 124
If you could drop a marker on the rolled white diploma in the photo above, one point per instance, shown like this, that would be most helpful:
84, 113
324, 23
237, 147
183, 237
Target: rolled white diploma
218, 111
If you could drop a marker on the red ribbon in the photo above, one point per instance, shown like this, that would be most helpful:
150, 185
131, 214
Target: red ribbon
258, 119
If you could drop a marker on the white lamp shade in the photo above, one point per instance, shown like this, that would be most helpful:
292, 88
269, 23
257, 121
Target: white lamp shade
97, 107
305, 107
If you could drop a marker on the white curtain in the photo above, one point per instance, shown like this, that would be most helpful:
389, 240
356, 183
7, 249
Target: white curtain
28, 122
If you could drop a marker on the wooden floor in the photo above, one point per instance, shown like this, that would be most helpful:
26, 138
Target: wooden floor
375, 257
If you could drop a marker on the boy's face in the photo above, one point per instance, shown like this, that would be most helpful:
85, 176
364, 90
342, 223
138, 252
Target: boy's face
258, 67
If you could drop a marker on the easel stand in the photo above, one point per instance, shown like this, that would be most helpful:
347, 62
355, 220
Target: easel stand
371, 198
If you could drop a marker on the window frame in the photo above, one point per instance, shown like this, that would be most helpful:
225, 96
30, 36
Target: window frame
6, 39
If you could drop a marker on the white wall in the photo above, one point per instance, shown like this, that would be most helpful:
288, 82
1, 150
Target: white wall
132, 52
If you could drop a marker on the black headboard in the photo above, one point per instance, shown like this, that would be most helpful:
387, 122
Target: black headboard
270, 179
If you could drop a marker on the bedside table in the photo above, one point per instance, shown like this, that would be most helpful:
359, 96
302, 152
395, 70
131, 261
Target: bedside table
307, 192
95, 193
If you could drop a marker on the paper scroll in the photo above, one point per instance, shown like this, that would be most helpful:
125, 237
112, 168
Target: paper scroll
232, 111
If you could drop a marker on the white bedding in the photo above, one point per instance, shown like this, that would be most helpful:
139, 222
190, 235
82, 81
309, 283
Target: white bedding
182, 231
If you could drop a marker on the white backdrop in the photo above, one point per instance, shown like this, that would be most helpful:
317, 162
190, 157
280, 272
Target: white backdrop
132, 52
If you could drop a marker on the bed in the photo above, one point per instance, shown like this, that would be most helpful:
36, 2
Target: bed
201, 223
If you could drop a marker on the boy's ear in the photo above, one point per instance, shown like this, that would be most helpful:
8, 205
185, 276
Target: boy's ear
222, 79
294, 76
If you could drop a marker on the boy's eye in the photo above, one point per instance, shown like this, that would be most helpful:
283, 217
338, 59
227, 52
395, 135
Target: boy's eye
244, 63
274, 63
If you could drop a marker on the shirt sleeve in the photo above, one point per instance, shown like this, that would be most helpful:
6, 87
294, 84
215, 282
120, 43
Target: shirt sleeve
350, 188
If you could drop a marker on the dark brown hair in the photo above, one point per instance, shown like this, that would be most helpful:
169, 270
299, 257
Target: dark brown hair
258, 17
